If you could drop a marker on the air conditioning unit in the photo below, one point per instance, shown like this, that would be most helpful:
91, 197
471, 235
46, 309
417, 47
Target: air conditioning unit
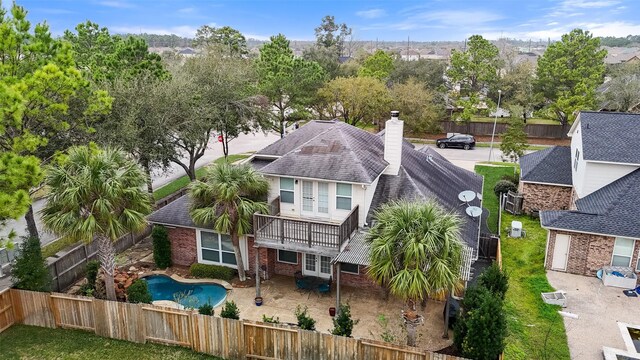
516, 229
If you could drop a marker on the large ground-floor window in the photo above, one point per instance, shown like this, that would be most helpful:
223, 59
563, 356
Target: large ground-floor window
216, 248
622, 252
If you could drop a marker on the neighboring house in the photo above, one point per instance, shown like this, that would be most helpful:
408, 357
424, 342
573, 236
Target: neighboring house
600, 225
545, 179
188, 52
326, 181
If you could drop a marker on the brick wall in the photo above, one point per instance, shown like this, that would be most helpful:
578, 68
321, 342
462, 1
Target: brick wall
544, 197
361, 281
286, 268
587, 252
183, 246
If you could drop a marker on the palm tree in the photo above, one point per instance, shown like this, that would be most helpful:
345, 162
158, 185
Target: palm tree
96, 195
226, 199
415, 251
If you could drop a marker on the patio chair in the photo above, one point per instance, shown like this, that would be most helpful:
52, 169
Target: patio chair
325, 288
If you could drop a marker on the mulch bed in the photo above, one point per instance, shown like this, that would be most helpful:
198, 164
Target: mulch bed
449, 350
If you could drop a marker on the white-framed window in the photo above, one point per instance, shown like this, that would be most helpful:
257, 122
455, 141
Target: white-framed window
638, 264
622, 252
575, 161
288, 257
287, 190
343, 196
350, 268
216, 248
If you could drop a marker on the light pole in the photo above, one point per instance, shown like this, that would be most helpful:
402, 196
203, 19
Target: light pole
495, 120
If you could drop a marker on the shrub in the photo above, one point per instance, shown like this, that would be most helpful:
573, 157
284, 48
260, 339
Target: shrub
503, 186
29, 271
93, 267
343, 324
206, 309
514, 178
486, 328
212, 272
138, 292
230, 310
494, 280
305, 322
161, 247
270, 319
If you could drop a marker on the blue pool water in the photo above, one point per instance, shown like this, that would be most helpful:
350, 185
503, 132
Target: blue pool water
163, 287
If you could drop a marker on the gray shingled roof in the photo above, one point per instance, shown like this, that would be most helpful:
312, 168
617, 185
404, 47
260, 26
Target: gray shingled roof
610, 136
333, 151
425, 174
175, 213
548, 166
611, 210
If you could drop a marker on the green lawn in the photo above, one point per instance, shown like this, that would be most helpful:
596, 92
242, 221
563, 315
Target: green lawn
533, 121
53, 247
536, 330
492, 173
183, 181
30, 342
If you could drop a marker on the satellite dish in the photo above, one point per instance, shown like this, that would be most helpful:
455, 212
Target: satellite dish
467, 196
474, 211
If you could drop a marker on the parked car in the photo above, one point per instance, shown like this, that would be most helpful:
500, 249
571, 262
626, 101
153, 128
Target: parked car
462, 141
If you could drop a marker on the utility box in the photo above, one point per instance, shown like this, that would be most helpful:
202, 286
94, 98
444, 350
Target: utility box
516, 229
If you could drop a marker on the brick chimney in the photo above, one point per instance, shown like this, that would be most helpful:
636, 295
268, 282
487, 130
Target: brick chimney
393, 143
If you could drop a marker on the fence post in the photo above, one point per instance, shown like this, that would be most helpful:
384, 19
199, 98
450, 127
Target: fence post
54, 311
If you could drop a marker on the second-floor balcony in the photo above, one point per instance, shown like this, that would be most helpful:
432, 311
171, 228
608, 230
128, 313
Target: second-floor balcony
299, 233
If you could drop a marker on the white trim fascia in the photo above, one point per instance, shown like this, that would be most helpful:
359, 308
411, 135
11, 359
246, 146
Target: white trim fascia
263, 156
546, 249
574, 126
611, 162
315, 179
543, 183
586, 232
175, 225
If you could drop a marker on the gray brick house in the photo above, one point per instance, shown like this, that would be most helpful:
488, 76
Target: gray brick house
589, 194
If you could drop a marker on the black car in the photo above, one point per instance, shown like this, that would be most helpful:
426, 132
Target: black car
458, 141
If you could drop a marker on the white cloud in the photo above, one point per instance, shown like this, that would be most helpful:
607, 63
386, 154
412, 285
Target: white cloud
587, 4
117, 4
454, 19
55, 11
183, 30
257, 37
615, 28
188, 10
371, 14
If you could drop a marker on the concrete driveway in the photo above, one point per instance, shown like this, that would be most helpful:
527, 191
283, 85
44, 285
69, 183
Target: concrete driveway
467, 159
599, 308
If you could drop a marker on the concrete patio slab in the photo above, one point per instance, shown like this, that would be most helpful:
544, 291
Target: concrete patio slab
598, 308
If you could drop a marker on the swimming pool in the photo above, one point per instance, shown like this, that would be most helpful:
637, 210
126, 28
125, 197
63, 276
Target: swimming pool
190, 295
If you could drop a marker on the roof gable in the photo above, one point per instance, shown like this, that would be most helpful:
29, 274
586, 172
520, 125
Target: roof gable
334, 151
610, 136
611, 210
548, 166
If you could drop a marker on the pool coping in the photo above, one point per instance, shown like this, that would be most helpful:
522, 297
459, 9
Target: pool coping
179, 278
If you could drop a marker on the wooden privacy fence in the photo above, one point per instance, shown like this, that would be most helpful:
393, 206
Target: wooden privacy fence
67, 268
226, 338
481, 128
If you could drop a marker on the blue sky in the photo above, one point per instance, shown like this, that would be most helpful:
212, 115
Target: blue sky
386, 20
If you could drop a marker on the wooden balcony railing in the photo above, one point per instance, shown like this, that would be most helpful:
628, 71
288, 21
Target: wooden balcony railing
304, 232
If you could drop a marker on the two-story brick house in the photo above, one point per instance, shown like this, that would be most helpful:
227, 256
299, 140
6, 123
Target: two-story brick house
326, 180
593, 221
